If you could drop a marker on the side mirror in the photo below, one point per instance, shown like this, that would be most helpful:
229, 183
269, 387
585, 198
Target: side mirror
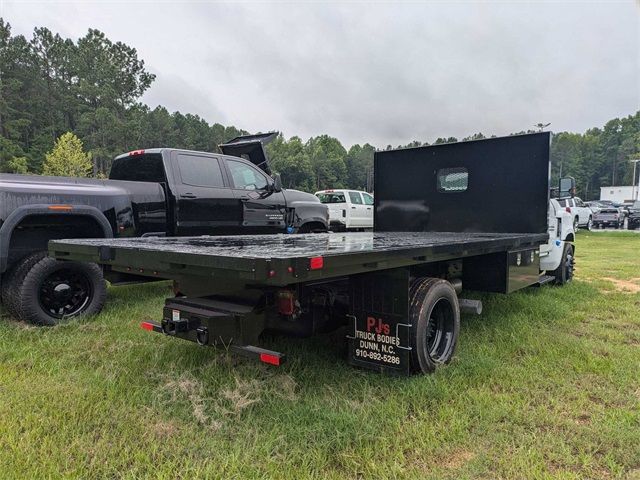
277, 183
567, 187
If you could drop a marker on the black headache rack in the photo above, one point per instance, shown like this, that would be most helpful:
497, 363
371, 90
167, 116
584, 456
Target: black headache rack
430, 222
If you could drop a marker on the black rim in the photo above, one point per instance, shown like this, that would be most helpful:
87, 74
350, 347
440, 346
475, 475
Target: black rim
64, 293
440, 331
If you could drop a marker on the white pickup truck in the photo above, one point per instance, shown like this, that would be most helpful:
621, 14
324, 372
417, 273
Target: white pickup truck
348, 209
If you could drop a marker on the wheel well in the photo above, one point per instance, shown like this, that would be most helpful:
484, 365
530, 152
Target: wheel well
570, 238
312, 227
34, 232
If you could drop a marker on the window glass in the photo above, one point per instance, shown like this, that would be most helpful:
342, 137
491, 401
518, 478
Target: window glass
333, 197
355, 198
139, 168
453, 179
200, 171
368, 199
246, 177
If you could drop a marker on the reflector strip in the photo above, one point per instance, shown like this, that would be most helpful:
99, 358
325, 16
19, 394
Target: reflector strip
147, 326
270, 359
316, 263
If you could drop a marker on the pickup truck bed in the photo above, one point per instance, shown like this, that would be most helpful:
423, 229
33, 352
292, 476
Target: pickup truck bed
286, 259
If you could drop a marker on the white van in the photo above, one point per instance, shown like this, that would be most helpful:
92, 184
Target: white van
348, 209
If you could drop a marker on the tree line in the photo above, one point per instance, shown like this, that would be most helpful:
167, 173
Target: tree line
91, 87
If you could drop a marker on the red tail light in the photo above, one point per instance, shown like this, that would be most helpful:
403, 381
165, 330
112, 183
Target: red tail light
270, 359
147, 326
316, 263
568, 209
136, 152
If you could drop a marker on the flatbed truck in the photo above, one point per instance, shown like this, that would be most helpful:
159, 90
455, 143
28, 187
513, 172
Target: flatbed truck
446, 217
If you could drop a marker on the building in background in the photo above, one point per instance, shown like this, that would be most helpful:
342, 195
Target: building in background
619, 194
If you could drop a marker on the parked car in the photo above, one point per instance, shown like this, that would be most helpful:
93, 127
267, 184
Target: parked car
348, 209
626, 208
582, 214
595, 205
154, 192
633, 220
608, 217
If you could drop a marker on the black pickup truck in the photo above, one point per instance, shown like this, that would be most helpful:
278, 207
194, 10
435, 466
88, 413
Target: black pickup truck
153, 192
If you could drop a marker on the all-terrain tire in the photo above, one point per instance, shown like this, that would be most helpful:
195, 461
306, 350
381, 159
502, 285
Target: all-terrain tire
9, 292
44, 291
434, 313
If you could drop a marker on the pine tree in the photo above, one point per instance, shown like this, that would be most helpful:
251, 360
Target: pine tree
67, 158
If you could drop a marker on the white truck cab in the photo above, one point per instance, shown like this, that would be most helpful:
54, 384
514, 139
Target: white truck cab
348, 209
557, 256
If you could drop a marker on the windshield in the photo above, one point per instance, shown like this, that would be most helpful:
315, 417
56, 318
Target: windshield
333, 197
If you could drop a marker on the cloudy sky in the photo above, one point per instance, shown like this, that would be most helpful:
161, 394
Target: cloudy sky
378, 72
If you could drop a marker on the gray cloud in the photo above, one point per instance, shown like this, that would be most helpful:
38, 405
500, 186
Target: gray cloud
374, 72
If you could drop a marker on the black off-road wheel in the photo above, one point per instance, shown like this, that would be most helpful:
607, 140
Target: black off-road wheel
44, 291
564, 273
434, 313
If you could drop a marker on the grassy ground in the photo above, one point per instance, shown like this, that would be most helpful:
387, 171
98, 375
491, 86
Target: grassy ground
545, 384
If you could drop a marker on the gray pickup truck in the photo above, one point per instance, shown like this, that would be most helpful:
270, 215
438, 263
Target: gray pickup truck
152, 192
608, 217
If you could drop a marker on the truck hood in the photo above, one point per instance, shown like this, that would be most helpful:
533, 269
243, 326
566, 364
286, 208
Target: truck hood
298, 196
10, 180
18, 190
250, 147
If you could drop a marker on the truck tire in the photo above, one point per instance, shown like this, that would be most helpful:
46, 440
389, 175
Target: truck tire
435, 317
44, 291
564, 272
312, 227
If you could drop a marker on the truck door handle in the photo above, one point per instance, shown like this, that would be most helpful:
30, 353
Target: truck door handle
188, 195
353, 208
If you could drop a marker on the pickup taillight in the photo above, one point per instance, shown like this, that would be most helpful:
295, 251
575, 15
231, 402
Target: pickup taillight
568, 209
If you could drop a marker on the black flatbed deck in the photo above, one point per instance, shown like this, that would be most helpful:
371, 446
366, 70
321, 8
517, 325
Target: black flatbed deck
284, 259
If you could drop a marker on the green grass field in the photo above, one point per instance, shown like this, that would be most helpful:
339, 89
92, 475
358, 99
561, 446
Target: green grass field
545, 384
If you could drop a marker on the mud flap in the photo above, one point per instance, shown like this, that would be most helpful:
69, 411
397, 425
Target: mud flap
379, 337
